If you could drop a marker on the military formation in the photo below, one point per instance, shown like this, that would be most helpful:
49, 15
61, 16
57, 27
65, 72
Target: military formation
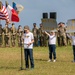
11, 37
41, 39
8, 36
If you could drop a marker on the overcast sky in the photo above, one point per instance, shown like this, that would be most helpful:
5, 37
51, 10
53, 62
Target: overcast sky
33, 10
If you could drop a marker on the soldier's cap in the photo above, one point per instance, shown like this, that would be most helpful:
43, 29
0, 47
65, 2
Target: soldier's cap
34, 23
12, 23
19, 26
26, 28
41, 25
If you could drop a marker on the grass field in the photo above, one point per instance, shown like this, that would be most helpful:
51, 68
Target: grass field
10, 62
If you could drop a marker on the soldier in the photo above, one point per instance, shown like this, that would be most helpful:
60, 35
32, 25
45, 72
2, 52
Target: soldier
62, 34
1, 31
41, 36
6, 35
45, 40
13, 35
35, 33
19, 33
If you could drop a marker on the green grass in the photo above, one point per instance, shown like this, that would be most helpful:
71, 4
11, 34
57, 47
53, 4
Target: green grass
10, 62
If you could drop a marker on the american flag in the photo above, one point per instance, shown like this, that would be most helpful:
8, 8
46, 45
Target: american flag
4, 14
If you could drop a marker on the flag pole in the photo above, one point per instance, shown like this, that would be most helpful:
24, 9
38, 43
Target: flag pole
21, 31
21, 68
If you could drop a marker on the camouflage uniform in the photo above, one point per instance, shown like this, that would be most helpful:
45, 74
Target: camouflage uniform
1, 31
6, 35
35, 33
13, 35
41, 36
62, 34
45, 40
19, 34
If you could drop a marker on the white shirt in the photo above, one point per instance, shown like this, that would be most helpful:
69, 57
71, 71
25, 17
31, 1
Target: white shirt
52, 39
28, 37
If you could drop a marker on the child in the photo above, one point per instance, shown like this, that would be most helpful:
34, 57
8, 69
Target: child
52, 45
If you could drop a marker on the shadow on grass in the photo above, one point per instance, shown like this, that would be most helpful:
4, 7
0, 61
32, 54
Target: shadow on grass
6, 67
12, 68
59, 61
40, 59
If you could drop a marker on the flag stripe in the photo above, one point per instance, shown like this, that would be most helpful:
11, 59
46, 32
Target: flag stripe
4, 14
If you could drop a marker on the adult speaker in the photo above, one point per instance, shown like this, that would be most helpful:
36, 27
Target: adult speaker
53, 15
45, 15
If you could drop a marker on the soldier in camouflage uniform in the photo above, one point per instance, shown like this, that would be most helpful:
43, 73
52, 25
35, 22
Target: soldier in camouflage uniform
45, 40
6, 30
19, 34
35, 33
1, 31
62, 34
13, 35
41, 36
